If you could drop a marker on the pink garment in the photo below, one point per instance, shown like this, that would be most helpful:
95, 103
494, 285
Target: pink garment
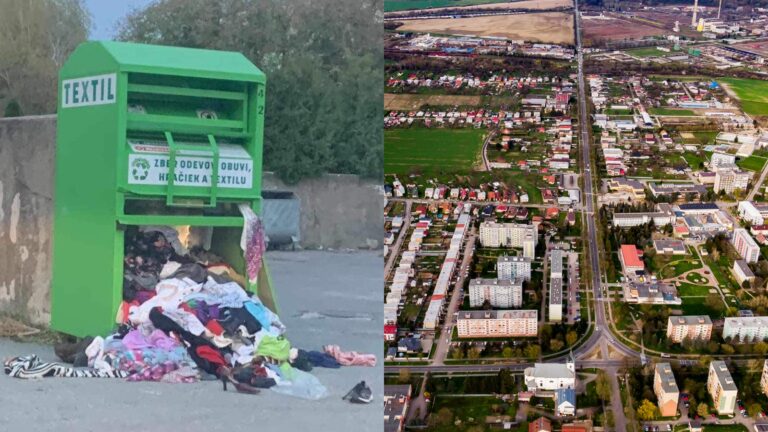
135, 340
351, 358
253, 242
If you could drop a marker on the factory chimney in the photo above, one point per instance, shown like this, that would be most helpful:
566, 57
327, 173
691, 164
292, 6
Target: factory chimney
695, 11
720, 6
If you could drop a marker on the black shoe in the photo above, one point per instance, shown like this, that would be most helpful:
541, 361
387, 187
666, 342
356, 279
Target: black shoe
67, 351
360, 393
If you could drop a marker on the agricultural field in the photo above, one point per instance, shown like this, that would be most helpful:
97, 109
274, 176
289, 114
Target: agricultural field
597, 30
547, 27
412, 102
401, 5
431, 152
407, 102
671, 112
753, 94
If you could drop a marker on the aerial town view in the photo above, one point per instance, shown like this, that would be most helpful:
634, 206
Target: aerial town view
576, 226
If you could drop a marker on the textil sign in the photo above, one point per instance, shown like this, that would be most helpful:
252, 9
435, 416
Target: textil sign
88, 91
152, 169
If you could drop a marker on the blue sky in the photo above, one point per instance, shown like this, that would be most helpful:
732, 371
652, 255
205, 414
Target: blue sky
107, 13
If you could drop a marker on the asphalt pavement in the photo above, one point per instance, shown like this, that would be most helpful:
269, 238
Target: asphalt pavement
324, 298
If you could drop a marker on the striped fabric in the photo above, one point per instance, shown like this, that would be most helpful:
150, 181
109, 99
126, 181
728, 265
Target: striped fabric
30, 367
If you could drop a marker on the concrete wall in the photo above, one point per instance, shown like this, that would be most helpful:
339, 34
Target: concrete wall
338, 211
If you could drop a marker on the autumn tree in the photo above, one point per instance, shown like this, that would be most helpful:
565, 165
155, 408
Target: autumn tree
702, 410
37, 37
647, 411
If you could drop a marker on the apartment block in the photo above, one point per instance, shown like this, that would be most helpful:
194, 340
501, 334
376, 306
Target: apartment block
721, 388
665, 387
730, 180
513, 267
502, 293
750, 213
693, 327
556, 285
745, 245
764, 379
746, 329
501, 323
494, 234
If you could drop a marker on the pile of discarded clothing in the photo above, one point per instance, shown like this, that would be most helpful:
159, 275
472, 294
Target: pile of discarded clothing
186, 316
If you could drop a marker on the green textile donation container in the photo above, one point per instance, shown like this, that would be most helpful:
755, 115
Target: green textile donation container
149, 135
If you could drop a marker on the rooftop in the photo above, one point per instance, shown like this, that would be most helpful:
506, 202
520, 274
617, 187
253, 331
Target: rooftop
690, 320
498, 314
395, 406
631, 256
668, 383
723, 375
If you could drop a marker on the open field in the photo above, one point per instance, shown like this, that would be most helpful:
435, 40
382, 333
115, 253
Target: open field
549, 27
398, 5
759, 47
671, 112
414, 101
431, 151
437, 5
608, 29
753, 94
752, 163
646, 52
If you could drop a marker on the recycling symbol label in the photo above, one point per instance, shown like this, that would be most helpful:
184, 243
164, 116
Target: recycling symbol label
140, 169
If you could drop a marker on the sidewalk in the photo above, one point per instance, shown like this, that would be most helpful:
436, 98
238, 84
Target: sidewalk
323, 297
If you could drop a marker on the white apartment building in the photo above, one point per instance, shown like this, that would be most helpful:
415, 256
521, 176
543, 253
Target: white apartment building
719, 159
501, 323
722, 388
764, 379
666, 390
730, 180
693, 327
745, 245
746, 329
750, 213
494, 234
742, 272
513, 267
556, 285
502, 293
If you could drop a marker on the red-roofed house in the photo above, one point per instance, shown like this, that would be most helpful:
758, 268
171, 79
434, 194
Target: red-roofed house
541, 424
389, 332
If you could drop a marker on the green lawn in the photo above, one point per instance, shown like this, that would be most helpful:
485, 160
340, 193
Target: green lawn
752, 93
618, 112
668, 267
463, 409
705, 137
725, 428
687, 290
752, 163
694, 159
646, 52
671, 112
398, 5
696, 279
431, 152
696, 306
